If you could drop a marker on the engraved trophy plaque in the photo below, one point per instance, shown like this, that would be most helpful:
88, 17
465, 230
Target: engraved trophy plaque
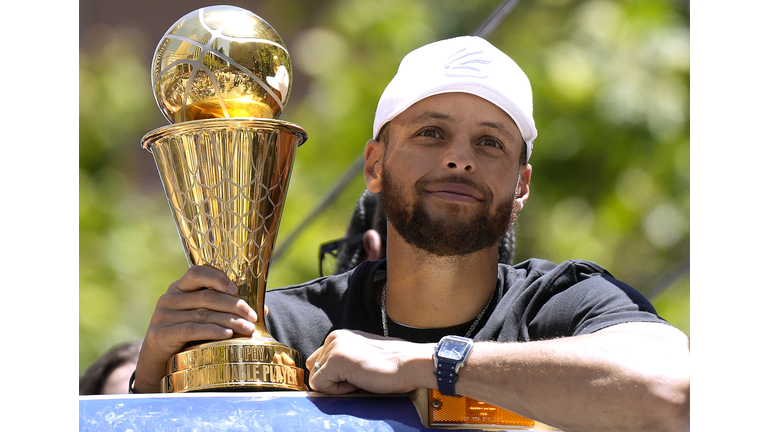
221, 76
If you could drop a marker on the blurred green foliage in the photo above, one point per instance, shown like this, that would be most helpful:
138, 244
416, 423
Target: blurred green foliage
611, 164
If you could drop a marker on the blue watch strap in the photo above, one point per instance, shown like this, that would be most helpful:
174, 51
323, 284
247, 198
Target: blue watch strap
450, 354
446, 378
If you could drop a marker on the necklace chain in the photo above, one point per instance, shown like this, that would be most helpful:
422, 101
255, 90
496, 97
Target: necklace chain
384, 313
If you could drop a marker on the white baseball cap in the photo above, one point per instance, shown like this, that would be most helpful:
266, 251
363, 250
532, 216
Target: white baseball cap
466, 64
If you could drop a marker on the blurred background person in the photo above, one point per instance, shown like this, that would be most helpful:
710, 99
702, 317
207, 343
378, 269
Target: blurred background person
110, 373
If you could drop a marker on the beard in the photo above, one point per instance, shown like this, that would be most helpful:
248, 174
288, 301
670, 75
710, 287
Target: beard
445, 236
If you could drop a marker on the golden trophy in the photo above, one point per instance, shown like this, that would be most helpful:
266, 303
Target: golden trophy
221, 76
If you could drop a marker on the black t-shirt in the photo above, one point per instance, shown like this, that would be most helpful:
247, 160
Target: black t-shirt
534, 300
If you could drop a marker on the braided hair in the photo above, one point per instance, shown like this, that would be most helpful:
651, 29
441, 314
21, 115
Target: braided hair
365, 216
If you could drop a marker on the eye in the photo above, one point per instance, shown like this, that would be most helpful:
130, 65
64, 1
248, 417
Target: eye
429, 133
490, 142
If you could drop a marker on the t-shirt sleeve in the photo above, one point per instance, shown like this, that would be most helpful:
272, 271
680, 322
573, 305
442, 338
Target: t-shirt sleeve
594, 302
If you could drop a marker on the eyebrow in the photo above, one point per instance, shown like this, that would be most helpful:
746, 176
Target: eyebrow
500, 127
430, 115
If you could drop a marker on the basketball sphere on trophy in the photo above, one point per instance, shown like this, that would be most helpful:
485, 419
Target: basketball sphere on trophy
221, 62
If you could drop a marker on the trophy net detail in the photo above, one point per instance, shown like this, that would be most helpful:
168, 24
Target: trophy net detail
226, 185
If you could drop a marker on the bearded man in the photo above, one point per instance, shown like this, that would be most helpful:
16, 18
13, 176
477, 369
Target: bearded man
567, 344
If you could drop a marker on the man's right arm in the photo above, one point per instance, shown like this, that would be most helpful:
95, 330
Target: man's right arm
201, 306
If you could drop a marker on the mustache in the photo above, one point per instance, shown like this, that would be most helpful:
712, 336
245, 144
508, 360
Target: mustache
423, 183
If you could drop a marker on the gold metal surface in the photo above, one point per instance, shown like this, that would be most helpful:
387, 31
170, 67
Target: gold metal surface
226, 180
235, 364
221, 62
223, 75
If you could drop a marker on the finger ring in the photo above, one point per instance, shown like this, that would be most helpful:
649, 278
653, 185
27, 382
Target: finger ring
316, 367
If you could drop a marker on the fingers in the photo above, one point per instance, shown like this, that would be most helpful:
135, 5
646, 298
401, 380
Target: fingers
326, 373
201, 324
320, 381
351, 360
325, 378
198, 277
283, 358
202, 305
332, 387
320, 356
198, 302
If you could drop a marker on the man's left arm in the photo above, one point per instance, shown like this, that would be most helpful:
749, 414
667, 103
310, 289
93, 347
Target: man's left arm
632, 376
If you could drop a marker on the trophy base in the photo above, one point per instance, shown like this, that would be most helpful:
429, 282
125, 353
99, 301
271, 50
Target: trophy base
240, 364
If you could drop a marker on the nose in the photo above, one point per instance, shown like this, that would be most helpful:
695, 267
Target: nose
459, 156
466, 167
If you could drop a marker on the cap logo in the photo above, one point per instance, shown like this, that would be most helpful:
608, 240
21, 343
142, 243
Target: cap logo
467, 64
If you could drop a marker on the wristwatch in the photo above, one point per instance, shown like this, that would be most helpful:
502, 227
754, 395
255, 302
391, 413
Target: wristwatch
450, 354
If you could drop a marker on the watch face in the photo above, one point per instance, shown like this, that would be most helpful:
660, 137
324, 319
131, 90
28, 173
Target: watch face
453, 349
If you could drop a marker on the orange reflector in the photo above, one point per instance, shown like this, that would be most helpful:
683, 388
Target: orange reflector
450, 410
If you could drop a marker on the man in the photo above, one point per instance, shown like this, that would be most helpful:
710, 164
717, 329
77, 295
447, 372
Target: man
567, 345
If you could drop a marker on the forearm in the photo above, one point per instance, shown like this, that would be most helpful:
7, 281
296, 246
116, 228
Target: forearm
630, 377
610, 380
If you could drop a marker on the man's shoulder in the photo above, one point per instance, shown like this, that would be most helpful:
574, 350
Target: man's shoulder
328, 286
325, 285
542, 277
537, 268
570, 298
578, 281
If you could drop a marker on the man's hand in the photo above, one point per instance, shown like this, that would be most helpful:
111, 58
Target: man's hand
631, 376
351, 360
203, 305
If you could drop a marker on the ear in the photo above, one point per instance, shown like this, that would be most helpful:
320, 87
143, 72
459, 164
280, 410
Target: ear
372, 245
374, 158
523, 186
